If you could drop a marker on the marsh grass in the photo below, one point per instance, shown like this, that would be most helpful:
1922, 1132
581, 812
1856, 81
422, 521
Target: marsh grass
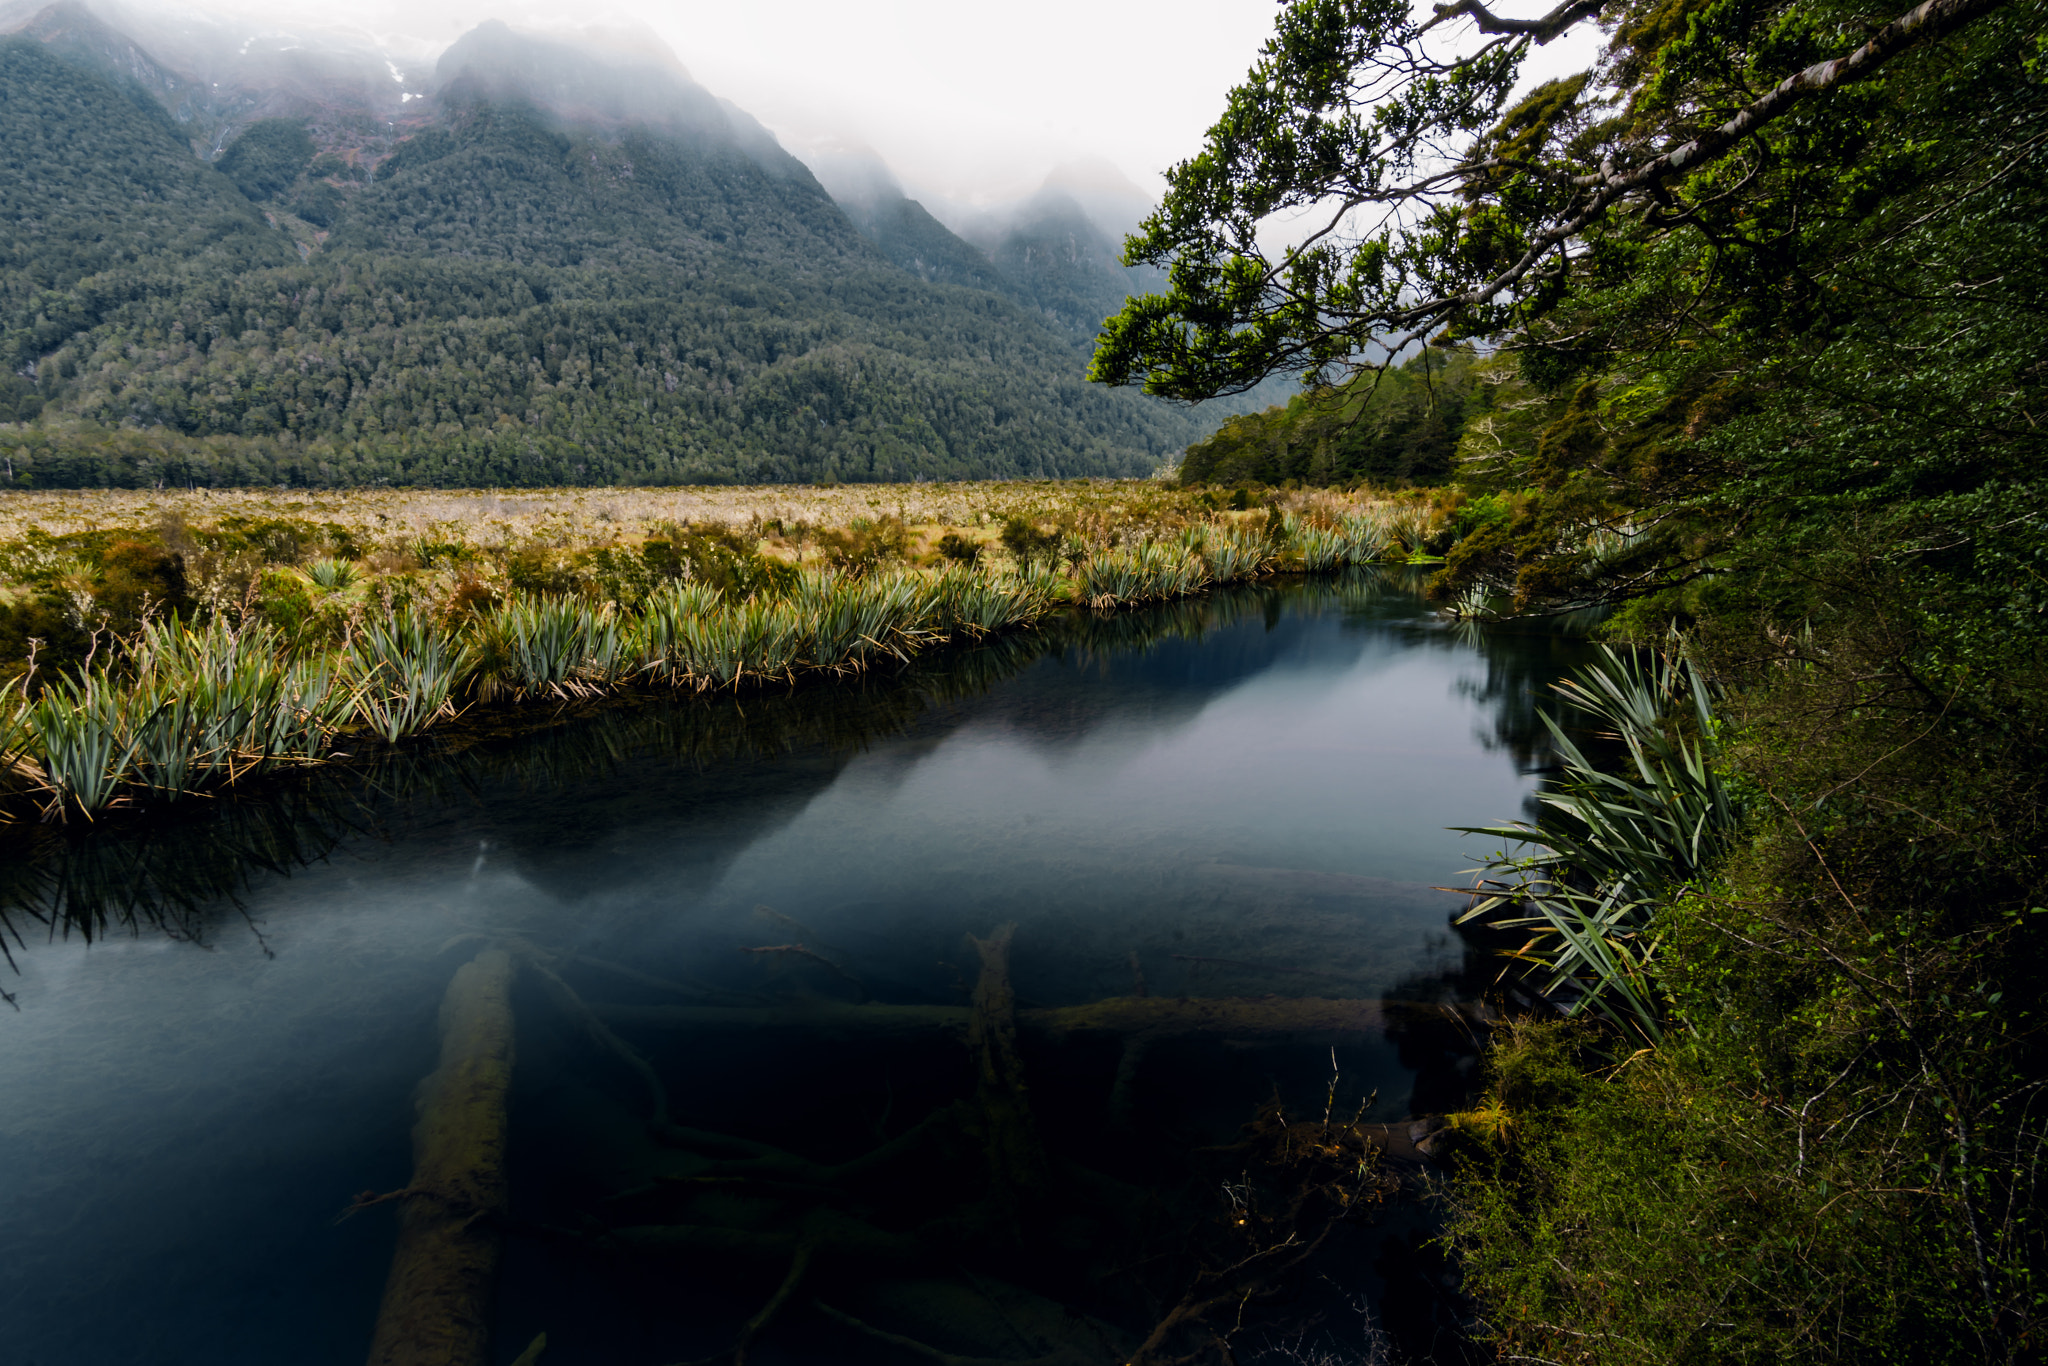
1146, 572
534, 647
401, 672
511, 600
194, 708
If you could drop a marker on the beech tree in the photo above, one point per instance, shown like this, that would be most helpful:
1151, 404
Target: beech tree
1438, 209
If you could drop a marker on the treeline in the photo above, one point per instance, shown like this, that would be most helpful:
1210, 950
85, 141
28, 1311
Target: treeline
1403, 424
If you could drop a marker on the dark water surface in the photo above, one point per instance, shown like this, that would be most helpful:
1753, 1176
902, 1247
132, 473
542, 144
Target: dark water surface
1230, 799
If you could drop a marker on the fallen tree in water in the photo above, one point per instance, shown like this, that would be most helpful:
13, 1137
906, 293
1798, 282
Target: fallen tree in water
437, 1300
930, 1241
1237, 1017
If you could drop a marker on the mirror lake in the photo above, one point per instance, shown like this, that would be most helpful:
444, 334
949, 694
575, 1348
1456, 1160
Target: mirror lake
1174, 867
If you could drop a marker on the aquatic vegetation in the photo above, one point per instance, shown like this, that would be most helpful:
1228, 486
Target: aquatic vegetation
189, 709
965, 603
1616, 846
1318, 548
1142, 573
78, 733
401, 671
1367, 536
850, 621
547, 647
660, 641
276, 648
1230, 553
216, 703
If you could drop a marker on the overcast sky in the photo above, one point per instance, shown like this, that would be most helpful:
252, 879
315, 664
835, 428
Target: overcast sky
971, 101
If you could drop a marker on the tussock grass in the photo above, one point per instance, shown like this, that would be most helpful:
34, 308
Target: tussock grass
401, 672
432, 602
1615, 847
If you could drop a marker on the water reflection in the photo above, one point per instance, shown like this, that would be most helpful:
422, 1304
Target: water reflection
764, 1075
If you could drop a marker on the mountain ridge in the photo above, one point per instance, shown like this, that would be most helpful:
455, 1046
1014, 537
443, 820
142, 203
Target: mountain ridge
534, 270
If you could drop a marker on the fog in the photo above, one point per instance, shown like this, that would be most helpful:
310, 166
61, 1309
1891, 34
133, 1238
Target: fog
968, 106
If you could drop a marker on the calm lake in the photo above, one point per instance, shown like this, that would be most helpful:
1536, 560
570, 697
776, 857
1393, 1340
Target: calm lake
757, 912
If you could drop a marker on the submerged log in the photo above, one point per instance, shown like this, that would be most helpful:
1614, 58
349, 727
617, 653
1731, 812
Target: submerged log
1236, 1017
1017, 1167
437, 1301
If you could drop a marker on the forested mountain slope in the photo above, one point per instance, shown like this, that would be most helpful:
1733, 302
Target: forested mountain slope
561, 266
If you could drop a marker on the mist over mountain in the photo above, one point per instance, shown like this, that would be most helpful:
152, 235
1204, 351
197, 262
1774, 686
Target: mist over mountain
284, 256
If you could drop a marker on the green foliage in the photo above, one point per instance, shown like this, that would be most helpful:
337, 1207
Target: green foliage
1139, 573
1664, 1215
1616, 847
1772, 365
1030, 542
402, 671
1400, 426
508, 302
268, 156
282, 654
957, 548
191, 709
865, 544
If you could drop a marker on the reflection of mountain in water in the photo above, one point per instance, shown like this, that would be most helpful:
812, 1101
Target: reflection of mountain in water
719, 774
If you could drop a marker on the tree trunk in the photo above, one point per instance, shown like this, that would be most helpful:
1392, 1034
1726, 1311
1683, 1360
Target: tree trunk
437, 1301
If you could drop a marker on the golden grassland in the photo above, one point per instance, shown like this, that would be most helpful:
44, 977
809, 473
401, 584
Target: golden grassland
565, 517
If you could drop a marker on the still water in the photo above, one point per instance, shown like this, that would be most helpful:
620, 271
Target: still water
1235, 805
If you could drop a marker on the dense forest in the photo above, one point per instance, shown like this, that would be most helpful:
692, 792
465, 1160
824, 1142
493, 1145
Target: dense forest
1403, 424
501, 294
1765, 295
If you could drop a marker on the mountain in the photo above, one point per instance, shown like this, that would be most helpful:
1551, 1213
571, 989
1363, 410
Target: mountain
555, 259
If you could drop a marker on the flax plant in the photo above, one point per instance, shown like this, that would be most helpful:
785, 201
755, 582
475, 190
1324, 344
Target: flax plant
78, 733
548, 647
967, 603
1229, 553
218, 702
332, 575
851, 622
401, 673
1615, 846
757, 638
660, 642
1318, 548
1140, 573
1367, 535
